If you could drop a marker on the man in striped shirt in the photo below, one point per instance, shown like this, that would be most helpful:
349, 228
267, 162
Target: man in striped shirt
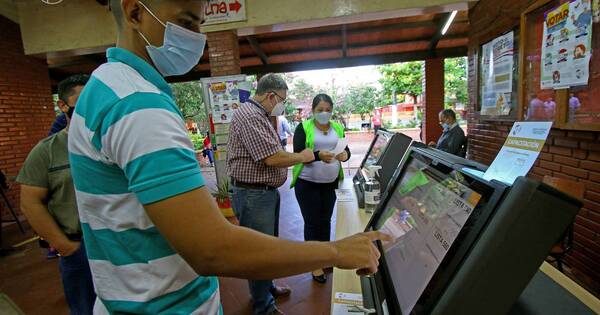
153, 234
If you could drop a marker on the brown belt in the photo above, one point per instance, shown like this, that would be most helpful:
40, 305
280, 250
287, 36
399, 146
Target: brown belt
251, 186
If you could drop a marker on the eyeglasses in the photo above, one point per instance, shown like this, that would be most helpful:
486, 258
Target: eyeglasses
285, 101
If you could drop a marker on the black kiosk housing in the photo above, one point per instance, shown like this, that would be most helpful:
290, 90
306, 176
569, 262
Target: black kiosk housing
386, 150
494, 255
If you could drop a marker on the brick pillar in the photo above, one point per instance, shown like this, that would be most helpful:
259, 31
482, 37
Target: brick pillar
224, 58
26, 107
433, 98
223, 53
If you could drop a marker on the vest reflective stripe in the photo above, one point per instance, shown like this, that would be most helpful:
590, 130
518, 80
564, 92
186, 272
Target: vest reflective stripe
309, 131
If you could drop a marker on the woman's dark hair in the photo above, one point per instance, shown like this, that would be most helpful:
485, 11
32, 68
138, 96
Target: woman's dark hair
321, 98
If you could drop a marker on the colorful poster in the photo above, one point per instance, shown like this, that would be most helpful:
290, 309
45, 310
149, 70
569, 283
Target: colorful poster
497, 75
223, 98
522, 147
566, 45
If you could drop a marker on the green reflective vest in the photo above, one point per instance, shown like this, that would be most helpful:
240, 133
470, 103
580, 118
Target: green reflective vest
309, 130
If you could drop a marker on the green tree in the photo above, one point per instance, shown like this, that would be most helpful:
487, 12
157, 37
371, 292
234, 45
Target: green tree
403, 78
188, 96
362, 100
455, 79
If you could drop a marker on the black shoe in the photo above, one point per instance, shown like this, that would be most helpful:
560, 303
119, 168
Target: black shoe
320, 279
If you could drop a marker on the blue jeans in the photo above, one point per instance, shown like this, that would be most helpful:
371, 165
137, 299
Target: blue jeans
77, 282
258, 210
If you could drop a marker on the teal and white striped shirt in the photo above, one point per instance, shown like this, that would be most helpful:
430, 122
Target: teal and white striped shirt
128, 147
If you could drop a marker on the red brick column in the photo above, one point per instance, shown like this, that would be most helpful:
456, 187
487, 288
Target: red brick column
433, 98
26, 107
223, 53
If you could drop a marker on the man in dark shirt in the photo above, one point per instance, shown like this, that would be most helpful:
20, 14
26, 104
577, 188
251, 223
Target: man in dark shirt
453, 138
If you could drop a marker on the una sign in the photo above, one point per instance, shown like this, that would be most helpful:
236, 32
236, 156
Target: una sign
225, 11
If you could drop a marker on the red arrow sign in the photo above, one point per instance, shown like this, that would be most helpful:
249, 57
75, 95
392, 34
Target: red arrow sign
236, 6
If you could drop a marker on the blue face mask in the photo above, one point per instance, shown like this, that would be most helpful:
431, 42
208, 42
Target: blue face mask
181, 49
446, 126
323, 117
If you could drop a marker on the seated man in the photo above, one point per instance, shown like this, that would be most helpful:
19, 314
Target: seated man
453, 138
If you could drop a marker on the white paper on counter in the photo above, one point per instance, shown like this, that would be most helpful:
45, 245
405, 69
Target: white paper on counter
344, 195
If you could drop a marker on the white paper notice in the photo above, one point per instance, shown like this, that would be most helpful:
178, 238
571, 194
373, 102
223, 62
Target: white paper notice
344, 195
522, 147
346, 303
341, 146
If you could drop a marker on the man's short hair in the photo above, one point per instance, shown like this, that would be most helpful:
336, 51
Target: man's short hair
66, 86
270, 82
448, 113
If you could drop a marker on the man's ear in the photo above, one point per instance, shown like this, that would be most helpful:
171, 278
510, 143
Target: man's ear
62, 106
132, 13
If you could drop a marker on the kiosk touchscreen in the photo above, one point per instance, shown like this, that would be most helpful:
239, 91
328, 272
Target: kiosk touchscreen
461, 244
386, 150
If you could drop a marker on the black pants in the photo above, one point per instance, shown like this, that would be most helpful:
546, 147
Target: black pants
316, 204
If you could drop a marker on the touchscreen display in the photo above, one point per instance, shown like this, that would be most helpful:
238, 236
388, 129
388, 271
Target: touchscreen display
377, 149
424, 216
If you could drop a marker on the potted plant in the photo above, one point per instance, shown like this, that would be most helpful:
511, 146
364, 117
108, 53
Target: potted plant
224, 202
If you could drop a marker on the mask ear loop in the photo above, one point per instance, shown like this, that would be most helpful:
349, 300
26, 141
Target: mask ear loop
151, 13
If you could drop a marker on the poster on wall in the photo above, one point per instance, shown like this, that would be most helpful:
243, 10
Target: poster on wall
497, 75
566, 45
224, 98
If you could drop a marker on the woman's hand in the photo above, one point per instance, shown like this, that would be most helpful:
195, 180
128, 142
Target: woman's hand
326, 156
342, 157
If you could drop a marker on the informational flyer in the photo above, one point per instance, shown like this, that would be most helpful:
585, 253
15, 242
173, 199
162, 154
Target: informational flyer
567, 45
497, 75
522, 147
224, 99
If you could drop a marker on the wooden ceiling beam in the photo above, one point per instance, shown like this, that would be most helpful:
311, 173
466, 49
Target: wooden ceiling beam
344, 40
354, 61
441, 21
256, 47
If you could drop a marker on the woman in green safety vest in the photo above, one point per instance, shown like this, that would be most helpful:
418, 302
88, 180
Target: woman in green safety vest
315, 182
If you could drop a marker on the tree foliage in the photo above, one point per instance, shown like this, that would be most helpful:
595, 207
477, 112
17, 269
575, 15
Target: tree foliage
362, 100
188, 96
455, 78
403, 78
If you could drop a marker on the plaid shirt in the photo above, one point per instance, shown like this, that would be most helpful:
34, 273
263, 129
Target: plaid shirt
252, 139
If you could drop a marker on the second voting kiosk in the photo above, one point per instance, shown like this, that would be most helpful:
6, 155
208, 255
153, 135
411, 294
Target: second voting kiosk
386, 150
461, 244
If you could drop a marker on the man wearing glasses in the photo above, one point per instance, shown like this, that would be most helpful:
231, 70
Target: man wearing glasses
257, 165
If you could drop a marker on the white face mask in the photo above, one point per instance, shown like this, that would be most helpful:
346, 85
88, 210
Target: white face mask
323, 117
278, 109
181, 49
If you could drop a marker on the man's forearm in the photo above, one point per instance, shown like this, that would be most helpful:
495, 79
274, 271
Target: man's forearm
283, 159
244, 253
43, 224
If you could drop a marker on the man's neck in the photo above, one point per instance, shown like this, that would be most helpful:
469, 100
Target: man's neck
133, 46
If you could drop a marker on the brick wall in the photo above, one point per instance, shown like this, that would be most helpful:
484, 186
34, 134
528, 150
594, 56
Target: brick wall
26, 108
568, 154
223, 53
